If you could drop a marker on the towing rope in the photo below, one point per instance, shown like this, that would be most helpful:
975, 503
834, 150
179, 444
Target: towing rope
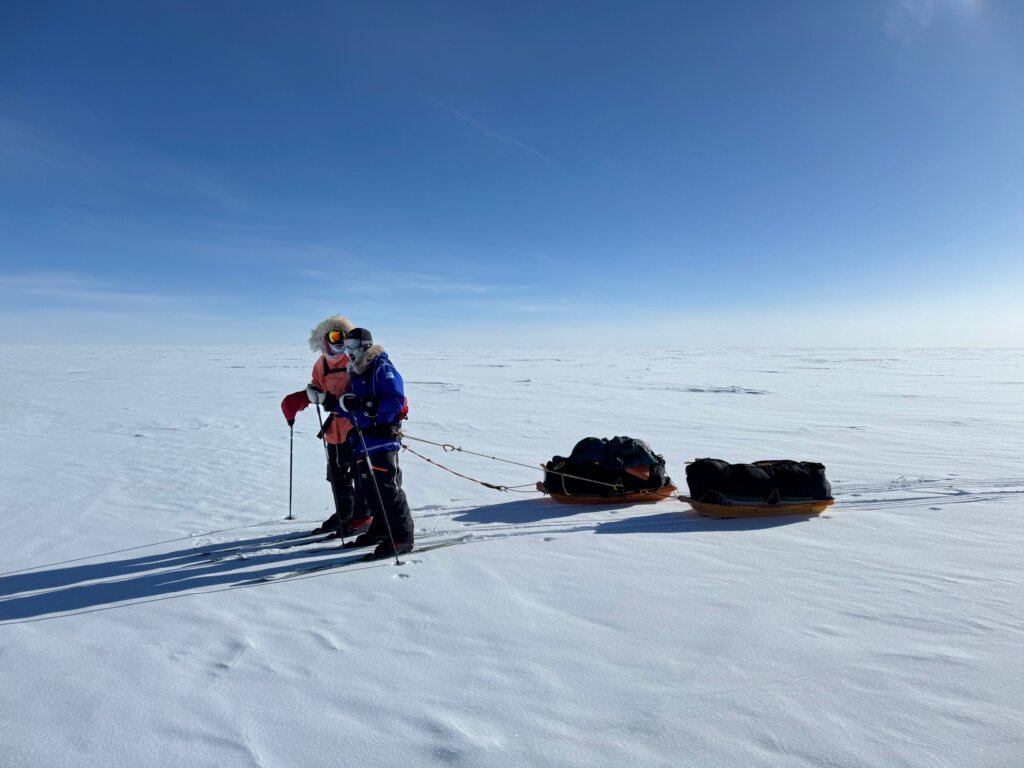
506, 488
449, 448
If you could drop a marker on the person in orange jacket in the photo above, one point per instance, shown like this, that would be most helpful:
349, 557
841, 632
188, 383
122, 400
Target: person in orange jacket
330, 381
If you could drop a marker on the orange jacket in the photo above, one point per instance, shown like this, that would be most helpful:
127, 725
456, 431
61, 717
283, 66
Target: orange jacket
334, 380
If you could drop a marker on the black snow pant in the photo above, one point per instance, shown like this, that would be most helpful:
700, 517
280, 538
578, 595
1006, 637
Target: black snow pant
389, 482
339, 475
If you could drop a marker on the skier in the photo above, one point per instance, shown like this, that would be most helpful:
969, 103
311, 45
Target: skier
330, 379
375, 402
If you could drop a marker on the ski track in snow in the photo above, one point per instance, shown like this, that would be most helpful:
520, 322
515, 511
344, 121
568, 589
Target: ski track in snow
887, 631
246, 554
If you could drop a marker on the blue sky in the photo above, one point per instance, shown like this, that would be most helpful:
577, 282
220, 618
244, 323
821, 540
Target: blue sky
697, 173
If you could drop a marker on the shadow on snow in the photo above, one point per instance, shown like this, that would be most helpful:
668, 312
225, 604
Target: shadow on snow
79, 588
530, 511
686, 521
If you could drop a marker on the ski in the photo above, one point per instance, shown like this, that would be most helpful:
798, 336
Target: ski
362, 559
304, 547
287, 540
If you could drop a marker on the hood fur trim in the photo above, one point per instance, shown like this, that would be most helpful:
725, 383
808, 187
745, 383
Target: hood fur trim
333, 323
358, 366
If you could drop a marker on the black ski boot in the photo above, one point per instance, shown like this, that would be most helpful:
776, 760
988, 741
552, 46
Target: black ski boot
388, 549
354, 527
364, 540
327, 526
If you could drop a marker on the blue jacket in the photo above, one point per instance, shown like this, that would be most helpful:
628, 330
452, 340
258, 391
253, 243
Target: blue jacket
377, 381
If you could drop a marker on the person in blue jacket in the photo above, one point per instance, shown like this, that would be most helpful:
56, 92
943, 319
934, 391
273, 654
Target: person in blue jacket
375, 403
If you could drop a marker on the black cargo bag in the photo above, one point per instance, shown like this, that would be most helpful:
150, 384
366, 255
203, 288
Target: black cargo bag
598, 466
772, 481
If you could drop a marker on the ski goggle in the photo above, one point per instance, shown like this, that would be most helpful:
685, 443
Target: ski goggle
355, 344
335, 337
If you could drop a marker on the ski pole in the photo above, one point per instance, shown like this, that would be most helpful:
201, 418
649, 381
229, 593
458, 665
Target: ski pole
380, 499
330, 474
291, 458
323, 439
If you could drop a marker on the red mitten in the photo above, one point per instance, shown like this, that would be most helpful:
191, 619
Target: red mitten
292, 404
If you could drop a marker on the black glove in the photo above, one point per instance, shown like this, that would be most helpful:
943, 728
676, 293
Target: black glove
352, 403
330, 401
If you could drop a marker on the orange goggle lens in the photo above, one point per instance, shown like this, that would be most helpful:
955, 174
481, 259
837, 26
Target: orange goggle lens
335, 337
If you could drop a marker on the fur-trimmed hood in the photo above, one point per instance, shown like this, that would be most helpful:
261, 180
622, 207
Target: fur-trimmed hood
333, 323
359, 366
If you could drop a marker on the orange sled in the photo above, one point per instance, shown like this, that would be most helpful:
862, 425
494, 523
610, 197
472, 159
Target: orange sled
636, 497
759, 509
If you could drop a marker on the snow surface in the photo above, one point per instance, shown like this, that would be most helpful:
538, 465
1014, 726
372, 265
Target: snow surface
888, 632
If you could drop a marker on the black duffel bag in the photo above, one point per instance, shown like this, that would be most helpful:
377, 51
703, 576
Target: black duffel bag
716, 481
797, 479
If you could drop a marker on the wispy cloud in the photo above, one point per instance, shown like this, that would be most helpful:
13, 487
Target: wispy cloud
318, 259
78, 290
435, 284
451, 279
908, 18
191, 181
496, 135
26, 152
73, 288
76, 308
38, 307
539, 304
